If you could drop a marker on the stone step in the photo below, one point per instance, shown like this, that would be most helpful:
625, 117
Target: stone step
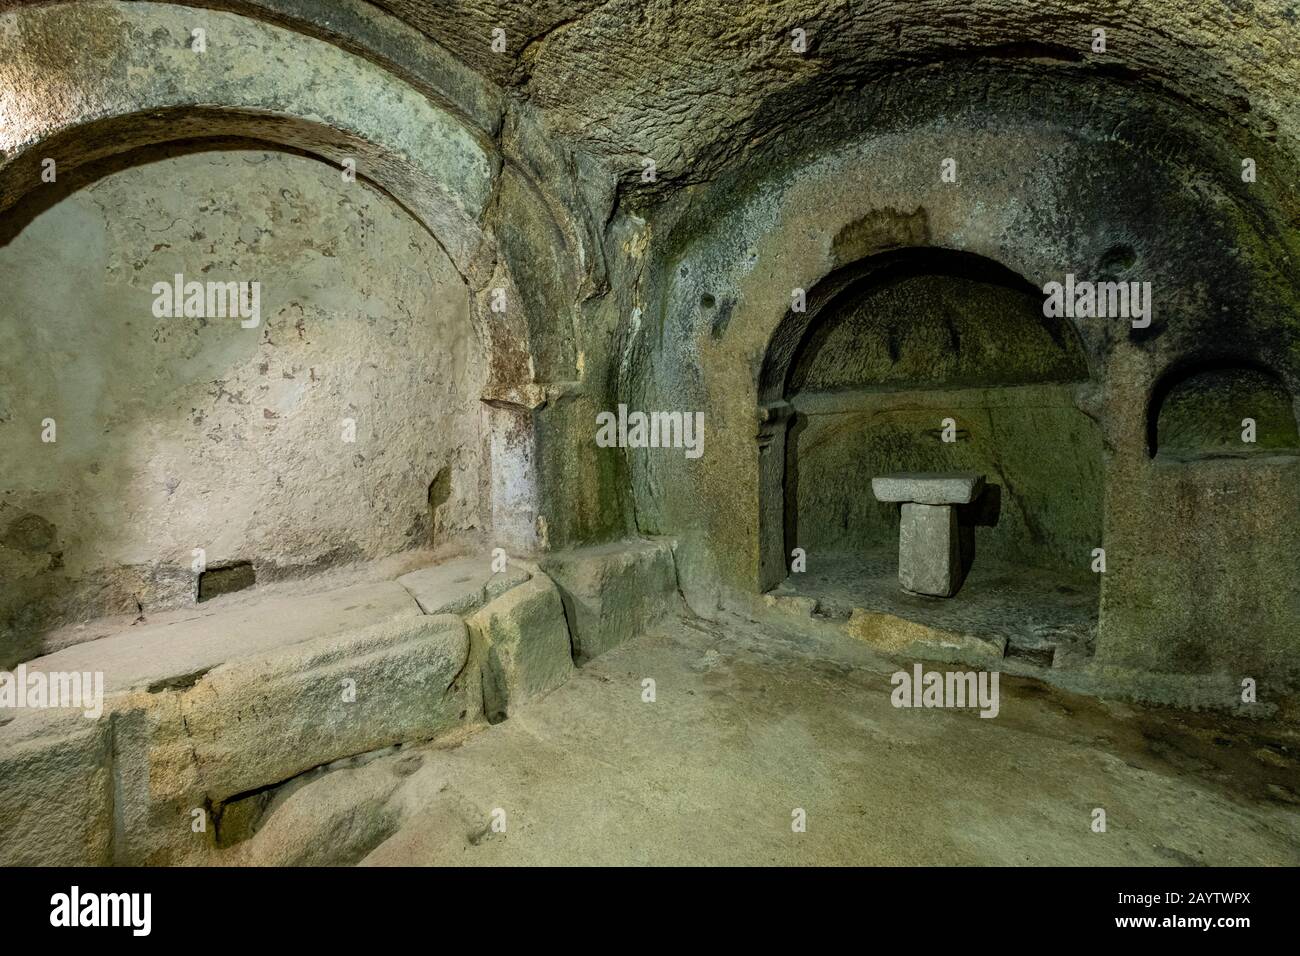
460, 586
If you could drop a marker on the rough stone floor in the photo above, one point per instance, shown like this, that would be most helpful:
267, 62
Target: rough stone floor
1025, 607
751, 722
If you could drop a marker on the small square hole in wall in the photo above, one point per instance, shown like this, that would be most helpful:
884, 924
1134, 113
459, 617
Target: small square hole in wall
226, 579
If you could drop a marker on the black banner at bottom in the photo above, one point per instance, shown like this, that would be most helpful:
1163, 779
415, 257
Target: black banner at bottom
336, 905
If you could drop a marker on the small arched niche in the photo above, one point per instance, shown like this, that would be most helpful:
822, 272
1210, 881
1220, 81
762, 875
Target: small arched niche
862, 384
1221, 409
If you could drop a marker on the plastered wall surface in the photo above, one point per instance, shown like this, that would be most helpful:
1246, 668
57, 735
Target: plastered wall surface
311, 439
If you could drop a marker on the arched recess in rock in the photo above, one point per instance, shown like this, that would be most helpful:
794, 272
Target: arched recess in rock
75, 89
306, 431
1078, 200
859, 383
1224, 407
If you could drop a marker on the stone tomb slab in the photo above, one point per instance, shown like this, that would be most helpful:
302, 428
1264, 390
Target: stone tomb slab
153, 655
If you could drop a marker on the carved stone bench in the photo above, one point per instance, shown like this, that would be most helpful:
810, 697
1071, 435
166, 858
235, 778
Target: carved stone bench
929, 549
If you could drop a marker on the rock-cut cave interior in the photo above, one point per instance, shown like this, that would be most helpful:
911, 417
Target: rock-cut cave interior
649, 432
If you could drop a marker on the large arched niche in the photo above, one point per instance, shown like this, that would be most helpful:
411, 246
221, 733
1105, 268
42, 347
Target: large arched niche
344, 426
61, 100
1042, 200
297, 99
859, 384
